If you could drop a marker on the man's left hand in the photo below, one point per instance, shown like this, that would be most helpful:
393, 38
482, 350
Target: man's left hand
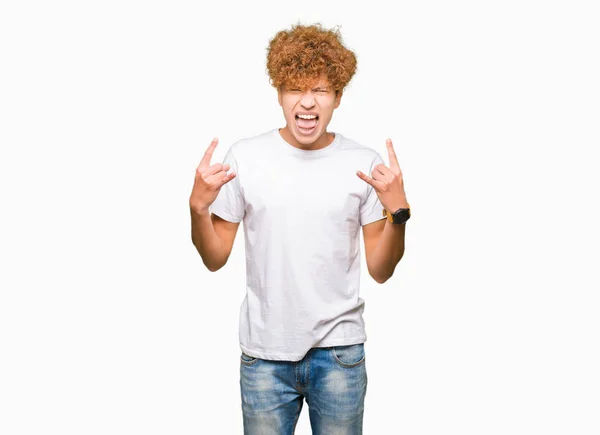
388, 182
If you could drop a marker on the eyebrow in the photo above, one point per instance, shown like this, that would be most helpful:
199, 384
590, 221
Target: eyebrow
292, 88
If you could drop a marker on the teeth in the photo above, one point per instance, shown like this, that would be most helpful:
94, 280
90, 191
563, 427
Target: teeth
307, 116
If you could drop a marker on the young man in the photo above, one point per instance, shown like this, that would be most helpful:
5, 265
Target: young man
303, 195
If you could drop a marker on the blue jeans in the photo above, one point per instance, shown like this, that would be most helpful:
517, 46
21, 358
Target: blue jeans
332, 379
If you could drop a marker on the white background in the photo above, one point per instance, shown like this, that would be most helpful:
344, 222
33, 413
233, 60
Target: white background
110, 323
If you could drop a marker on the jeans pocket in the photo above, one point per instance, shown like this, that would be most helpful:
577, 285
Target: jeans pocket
349, 356
247, 359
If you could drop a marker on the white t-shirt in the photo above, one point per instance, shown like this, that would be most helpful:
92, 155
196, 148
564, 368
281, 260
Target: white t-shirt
302, 213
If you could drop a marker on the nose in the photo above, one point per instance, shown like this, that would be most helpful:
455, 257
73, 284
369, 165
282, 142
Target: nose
308, 100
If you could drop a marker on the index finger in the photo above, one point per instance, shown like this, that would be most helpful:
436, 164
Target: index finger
205, 162
392, 154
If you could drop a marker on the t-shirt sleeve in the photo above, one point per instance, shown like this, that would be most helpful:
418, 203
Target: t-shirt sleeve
229, 203
371, 209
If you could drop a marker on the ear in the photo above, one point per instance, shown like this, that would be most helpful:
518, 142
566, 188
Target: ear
279, 97
338, 98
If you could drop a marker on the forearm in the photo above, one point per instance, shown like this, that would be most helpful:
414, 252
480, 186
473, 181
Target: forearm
388, 252
208, 243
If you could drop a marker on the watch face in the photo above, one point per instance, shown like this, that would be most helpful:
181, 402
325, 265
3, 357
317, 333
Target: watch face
401, 216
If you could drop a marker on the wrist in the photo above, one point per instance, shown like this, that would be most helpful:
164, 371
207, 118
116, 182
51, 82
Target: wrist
199, 210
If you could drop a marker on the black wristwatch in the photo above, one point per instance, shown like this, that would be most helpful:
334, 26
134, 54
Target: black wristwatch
400, 216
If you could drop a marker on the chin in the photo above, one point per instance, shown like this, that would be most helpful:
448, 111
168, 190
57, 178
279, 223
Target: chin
306, 139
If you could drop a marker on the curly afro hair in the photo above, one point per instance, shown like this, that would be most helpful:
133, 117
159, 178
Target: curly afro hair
300, 56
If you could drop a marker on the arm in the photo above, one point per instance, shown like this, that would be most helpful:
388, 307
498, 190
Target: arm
384, 241
213, 237
384, 248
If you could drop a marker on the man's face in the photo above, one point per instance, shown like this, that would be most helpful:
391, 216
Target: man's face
308, 111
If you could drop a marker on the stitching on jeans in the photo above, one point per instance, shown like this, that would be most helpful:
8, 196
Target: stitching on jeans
308, 371
248, 363
298, 386
342, 363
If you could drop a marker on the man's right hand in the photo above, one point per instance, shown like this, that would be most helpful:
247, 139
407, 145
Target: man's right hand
208, 180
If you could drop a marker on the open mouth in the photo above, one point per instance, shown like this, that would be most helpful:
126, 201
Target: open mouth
306, 123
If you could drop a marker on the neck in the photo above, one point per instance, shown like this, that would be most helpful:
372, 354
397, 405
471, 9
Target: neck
321, 142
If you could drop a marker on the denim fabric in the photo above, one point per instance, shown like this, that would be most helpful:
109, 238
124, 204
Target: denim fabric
332, 379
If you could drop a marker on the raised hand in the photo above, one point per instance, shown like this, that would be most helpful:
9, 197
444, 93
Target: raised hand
208, 181
388, 182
